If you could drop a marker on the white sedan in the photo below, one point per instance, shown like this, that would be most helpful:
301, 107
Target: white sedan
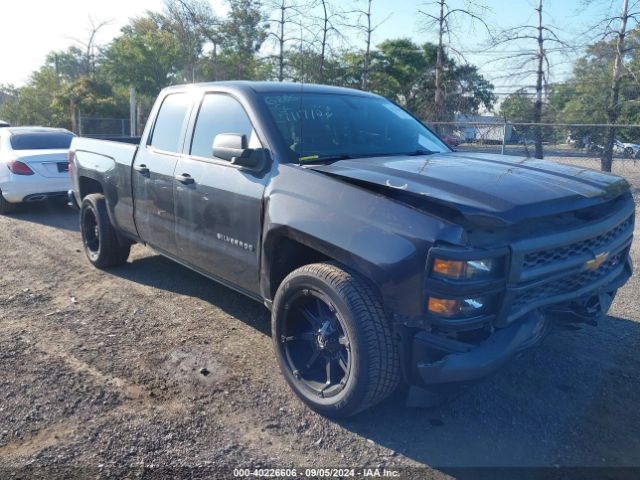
628, 150
33, 165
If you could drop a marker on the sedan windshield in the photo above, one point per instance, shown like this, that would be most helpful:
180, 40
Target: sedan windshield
331, 127
41, 141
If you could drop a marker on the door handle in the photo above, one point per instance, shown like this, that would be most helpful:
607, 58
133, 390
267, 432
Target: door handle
142, 168
185, 178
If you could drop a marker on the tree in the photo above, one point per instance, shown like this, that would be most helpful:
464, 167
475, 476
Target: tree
35, 103
68, 64
191, 22
442, 20
518, 108
542, 34
242, 34
146, 56
585, 98
328, 28
366, 25
403, 71
284, 14
90, 47
613, 107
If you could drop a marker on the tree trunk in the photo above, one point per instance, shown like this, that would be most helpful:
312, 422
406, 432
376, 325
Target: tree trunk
537, 107
214, 58
367, 53
324, 39
612, 111
439, 52
281, 40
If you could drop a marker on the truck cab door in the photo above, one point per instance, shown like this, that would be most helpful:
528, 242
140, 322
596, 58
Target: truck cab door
219, 205
153, 175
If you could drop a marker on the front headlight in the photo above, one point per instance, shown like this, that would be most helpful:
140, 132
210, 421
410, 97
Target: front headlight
466, 307
466, 269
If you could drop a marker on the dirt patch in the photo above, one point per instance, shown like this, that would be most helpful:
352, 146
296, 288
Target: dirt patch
155, 365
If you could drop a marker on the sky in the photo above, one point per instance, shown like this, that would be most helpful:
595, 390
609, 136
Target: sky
29, 29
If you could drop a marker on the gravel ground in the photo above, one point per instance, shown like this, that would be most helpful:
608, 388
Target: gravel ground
102, 378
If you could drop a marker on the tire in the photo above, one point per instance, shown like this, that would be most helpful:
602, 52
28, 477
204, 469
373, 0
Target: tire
6, 207
333, 340
628, 152
98, 235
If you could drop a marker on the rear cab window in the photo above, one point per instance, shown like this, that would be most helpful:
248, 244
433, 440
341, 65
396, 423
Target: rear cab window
167, 131
40, 141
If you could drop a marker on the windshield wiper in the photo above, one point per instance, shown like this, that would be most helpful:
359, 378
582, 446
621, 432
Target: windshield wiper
351, 156
325, 158
418, 152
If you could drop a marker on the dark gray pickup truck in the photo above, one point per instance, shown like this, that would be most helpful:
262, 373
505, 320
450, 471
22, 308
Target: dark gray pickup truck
384, 256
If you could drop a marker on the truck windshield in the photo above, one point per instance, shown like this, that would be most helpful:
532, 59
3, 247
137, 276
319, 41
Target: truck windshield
333, 126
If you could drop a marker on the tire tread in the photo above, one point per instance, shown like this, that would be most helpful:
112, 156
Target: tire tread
381, 344
113, 253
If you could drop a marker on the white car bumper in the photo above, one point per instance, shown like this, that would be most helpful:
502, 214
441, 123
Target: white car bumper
20, 188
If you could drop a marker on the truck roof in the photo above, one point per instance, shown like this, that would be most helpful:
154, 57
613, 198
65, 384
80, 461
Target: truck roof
273, 87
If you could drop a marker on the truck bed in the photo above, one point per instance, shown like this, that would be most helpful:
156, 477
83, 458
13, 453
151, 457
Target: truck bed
103, 152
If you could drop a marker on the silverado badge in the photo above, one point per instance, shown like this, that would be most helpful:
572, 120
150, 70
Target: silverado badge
597, 261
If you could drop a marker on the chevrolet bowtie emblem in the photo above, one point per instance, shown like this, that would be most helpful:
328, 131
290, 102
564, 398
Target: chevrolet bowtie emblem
597, 261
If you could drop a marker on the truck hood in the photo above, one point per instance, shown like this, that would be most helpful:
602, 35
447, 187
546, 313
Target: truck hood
484, 188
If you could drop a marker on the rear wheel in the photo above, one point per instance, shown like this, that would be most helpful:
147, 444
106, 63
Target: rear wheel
628, 152
333, 340
98, 235
6, 207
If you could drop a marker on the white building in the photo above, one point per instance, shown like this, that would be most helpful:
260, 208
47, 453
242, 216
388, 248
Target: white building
483, 128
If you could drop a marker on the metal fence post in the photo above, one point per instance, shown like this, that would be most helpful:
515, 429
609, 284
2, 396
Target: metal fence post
133, 101
504, 137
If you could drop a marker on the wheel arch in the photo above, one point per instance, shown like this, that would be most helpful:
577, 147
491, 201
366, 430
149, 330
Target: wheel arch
88, 185
285, 250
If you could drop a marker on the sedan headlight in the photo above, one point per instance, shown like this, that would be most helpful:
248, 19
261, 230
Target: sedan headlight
466, 269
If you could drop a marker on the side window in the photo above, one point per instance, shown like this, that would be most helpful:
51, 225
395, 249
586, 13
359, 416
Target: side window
220, 113
168, 127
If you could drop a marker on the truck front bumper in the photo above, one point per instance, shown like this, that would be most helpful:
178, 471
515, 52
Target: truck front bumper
472, 362
439, 359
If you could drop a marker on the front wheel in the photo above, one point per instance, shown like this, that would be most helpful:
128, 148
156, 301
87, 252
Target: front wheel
333, 340
98, 235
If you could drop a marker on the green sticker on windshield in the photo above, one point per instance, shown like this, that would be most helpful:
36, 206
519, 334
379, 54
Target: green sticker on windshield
310, 157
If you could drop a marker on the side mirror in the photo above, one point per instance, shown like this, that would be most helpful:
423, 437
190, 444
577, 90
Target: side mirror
233, 147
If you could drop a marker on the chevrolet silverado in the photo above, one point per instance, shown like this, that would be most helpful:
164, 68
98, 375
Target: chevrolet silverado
384, 256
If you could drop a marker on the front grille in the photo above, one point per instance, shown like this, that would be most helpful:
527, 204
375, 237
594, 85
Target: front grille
545, 257
567, 284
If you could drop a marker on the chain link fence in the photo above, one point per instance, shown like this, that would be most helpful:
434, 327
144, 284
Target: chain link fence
581, 145
103, 127
576, 144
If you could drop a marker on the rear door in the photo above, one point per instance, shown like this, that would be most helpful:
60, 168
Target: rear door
219, 214
153, 174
